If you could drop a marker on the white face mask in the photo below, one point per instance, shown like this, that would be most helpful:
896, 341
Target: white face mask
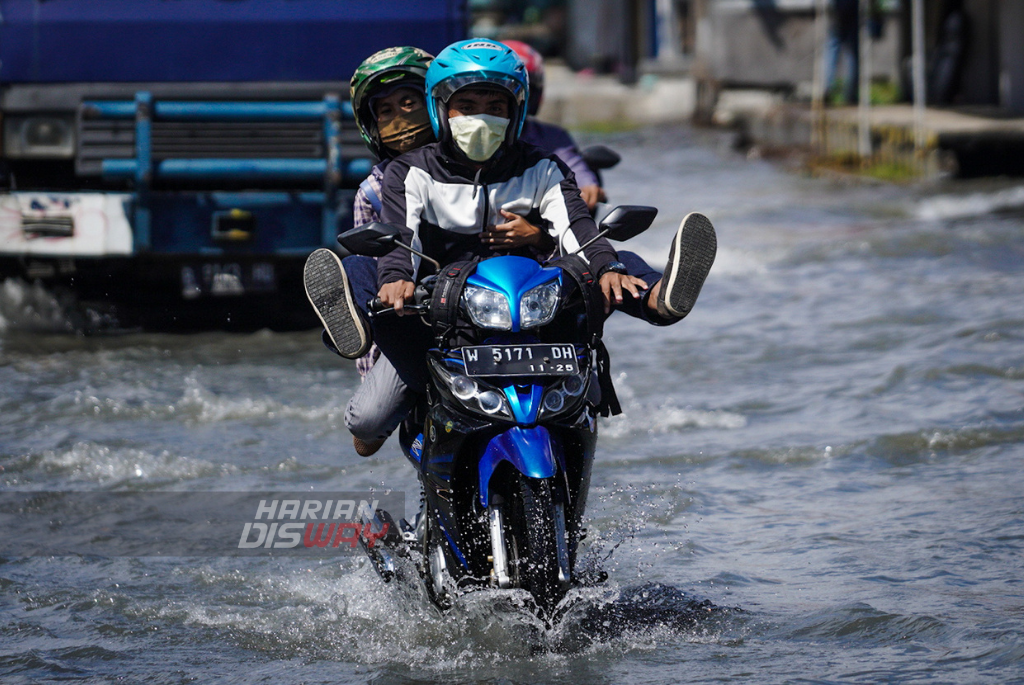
478, 135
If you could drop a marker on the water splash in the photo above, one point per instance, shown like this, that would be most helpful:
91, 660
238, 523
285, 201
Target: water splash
664, 418
976, 204
91, 462
342, 612
33, 308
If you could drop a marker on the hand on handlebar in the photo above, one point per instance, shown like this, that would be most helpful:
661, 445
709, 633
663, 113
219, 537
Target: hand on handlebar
612, 284
395, 294
592, 195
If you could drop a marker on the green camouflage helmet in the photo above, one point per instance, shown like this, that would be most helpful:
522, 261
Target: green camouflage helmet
381, 70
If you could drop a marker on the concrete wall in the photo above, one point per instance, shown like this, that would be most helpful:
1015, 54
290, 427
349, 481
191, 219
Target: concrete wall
1011, 48
579, 102
597, 37
979, 79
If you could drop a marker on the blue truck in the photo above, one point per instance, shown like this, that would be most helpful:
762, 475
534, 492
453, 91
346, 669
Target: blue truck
175, 161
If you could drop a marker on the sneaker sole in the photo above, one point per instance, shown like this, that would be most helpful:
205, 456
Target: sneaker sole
329, 292
689, 261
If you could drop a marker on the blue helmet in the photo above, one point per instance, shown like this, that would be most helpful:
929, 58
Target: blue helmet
476, 61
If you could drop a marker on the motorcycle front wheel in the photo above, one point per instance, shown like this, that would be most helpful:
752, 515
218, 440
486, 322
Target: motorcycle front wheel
536, 538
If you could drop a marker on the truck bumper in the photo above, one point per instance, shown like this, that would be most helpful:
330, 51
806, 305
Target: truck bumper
208, 259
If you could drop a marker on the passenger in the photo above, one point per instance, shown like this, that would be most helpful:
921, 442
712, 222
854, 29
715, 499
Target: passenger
557, 140
552, 137
476, 101
387, 100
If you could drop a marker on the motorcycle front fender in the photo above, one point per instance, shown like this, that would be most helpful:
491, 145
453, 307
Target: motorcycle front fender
529, 450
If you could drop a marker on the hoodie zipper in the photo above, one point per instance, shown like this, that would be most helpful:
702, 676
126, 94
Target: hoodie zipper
477, 187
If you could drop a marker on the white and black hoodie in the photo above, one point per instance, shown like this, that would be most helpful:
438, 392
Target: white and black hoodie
443, 204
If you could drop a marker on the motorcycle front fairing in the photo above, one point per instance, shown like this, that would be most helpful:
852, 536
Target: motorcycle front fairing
466, 462
528, 450
481, 430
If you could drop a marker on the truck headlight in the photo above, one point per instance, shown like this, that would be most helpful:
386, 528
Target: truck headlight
40, 136
539, 304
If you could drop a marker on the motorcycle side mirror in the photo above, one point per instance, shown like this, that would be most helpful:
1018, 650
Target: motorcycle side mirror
374, 239
622, 223
377, 239
627, 221
600, 157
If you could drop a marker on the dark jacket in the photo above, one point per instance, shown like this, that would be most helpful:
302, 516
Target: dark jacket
442, 205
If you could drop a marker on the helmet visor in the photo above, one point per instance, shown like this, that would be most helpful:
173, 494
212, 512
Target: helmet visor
443, 91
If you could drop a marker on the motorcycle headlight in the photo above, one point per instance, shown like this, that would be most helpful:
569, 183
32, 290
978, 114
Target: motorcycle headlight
473, 395
490, 401
487, 308
539, 304
573, 386
554, 400
463, 387
563, 396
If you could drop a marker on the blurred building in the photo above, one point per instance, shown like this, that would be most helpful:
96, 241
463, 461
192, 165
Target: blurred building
974, 48
541, 23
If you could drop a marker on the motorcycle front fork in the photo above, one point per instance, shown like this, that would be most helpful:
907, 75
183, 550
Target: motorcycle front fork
499, 556
499, 572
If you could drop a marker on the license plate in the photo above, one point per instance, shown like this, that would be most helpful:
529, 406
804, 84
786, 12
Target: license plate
225, 279
520, 360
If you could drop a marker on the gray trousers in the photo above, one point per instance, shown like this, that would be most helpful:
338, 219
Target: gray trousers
379, 405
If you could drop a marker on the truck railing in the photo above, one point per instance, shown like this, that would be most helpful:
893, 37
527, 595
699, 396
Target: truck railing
144, 169
144, 111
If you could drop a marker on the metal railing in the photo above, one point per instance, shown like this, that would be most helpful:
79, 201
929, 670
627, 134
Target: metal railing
145, 168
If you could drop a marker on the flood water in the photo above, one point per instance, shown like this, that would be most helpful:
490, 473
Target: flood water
828, 451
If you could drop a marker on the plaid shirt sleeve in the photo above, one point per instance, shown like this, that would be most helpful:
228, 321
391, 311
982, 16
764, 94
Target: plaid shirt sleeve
362, 210
363, 213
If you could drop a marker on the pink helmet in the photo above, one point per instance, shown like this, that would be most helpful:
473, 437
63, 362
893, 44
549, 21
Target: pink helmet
534, 68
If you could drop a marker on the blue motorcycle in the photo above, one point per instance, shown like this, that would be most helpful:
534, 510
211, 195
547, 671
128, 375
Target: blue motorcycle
504, 441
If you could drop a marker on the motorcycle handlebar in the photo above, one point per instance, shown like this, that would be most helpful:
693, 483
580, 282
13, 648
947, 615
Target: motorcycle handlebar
420, 303
390, 311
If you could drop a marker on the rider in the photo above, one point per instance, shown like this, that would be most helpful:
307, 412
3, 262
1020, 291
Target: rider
446, 193
552, 137
434, 193
388, 102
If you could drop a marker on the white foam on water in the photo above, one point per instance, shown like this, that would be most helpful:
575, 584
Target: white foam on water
30, 307
637, 418
92, 462
976, 204
205, 406
731, 261
200, 405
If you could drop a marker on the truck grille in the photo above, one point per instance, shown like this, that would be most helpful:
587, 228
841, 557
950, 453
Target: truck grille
101, 139
238, 140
